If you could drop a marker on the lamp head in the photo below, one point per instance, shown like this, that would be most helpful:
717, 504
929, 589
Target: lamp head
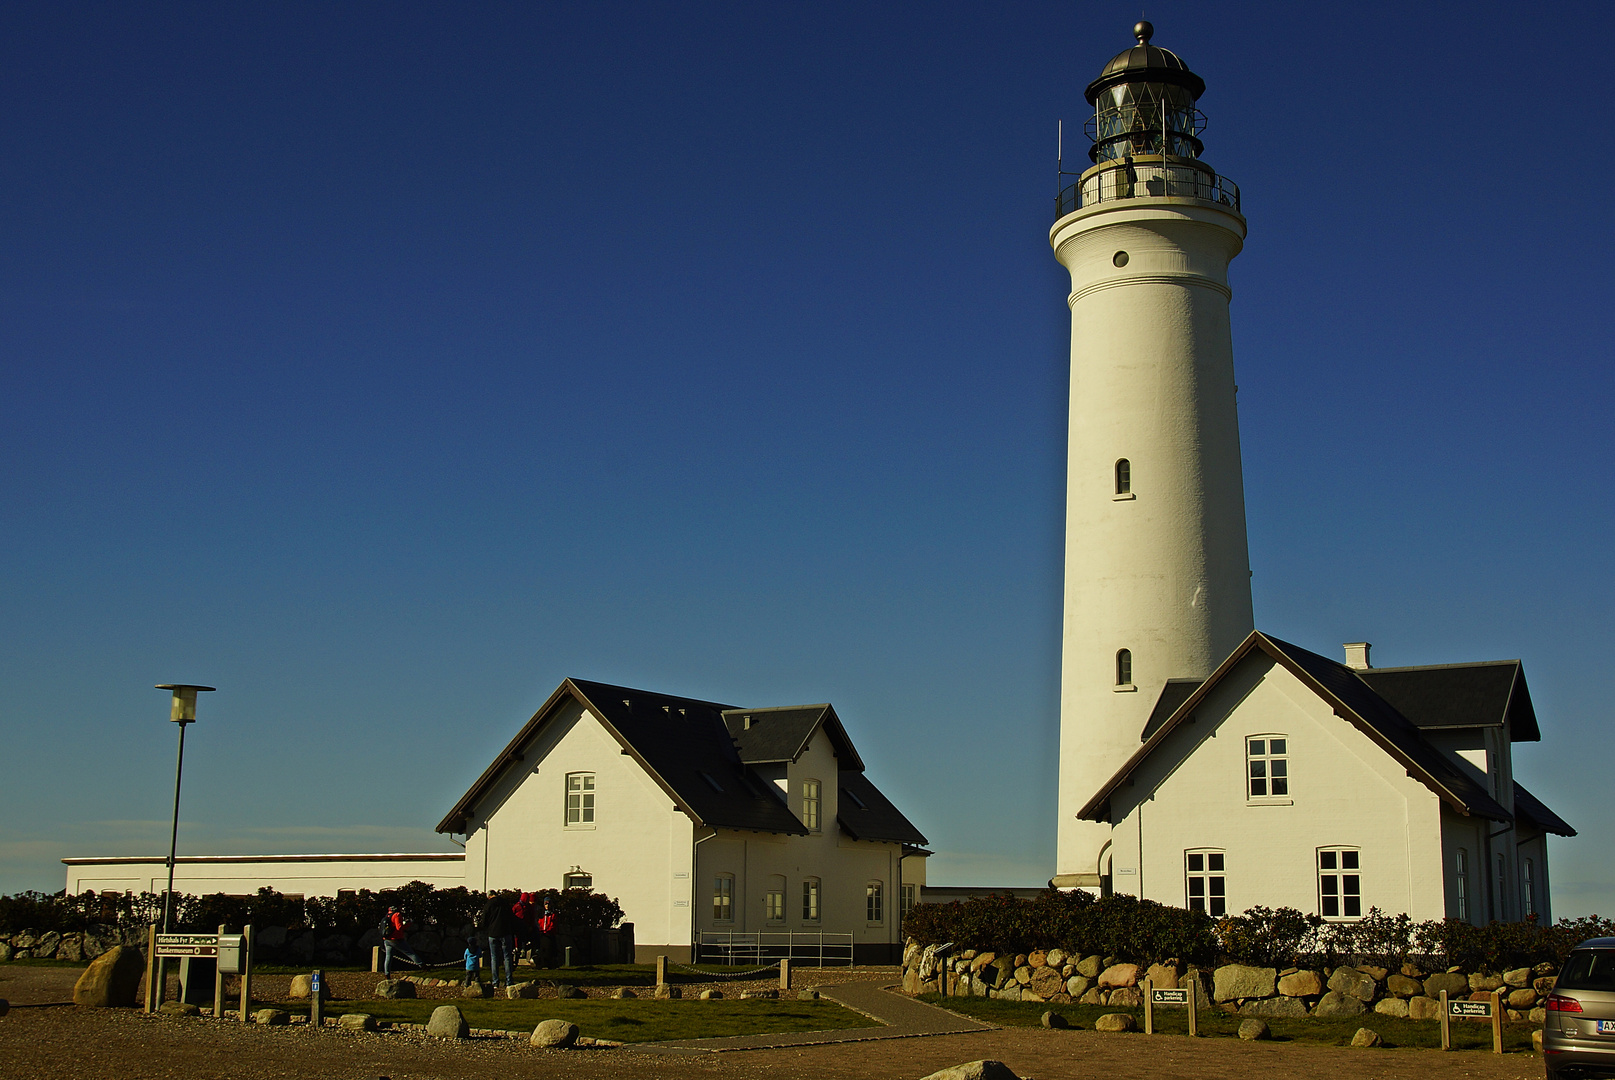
184, 705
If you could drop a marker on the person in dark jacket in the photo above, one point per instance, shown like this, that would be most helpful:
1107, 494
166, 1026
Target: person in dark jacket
499, 925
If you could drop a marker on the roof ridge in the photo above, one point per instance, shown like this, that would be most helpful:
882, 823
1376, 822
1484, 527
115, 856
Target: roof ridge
1439, 667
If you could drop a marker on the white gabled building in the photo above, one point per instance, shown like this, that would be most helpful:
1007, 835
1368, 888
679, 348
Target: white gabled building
705, 822
1288, 780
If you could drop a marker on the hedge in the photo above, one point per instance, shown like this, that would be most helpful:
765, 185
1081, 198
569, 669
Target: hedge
1143, 931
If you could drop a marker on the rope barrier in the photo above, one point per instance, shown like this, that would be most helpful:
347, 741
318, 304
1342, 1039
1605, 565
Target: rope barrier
722, 974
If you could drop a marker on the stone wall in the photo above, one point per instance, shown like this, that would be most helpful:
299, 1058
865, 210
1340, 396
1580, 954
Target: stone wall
1059, 977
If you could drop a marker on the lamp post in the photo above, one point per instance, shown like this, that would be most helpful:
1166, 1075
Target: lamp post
182, 712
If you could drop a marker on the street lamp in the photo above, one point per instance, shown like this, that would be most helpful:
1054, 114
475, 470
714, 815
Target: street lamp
182, 712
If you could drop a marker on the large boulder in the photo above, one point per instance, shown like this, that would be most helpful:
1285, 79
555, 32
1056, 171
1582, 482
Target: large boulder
1118, 975
1517, 977
1301, 984
1012, 992
1276, 1006
1089, 966
1252, 1030
1116, 1022
395, 988
1091, 997
356, 1022
112, 980
575, 992
1479, 982
473, 990
1235, 981
1036, 959
6, 951
179, 1008
981, 960
98, 938
1046, 981
71, 948
1163, 976
1052, 1019
554, 1035
1424, 1008
974, 1070
1452, 982
521, 990
1522, 998
1336, 1004
1077, 985
1056, 958
447, 1023
1392, 1006
1353, 983
1403, 987
302, 988
271, 1018
1023, 975
48, 942
1125, 997
270, 937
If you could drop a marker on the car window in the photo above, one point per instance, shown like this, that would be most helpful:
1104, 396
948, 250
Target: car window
1588, 969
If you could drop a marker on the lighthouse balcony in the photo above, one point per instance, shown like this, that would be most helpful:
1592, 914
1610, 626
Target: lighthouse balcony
1148, 176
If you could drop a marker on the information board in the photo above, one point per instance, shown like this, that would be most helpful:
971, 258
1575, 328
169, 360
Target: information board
1169, 997
187, 945
1473, 1010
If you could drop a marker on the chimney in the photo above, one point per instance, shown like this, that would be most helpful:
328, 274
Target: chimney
1357, 655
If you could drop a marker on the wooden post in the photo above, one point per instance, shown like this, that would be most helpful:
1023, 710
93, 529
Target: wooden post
1497, 1022
1149, 1008
150, 1001
661, 970
1446, 1024
316, 991
246, 973
1194, 1006
218, 983
785, 974
375, 958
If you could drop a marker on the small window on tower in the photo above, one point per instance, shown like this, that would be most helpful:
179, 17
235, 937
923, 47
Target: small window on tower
1124, 476
1124, 667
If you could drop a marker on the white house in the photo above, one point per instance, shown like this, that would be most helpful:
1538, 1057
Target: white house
1288, 780
708, 823
244, 875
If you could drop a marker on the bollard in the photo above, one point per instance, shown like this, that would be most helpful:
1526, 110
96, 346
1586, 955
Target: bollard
316, 1014
1194, 1006
785, 974
1446, 1024
1149, 1008
375, 958
151, 1001
1497, 1022
568, 961
661, 970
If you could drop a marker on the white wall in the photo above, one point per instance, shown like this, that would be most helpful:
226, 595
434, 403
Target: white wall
638, 849
302, 875
1344, 791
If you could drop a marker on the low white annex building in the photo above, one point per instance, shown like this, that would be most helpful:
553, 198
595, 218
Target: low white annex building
711, 825
1289, 780
244, 875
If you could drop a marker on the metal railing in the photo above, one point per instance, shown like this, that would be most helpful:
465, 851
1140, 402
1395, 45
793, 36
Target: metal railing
1146, 179
811, 949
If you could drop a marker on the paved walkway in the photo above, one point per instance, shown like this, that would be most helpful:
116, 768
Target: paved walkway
901, 1018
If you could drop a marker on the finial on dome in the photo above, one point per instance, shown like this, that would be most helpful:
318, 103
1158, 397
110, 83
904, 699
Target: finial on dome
1143, 31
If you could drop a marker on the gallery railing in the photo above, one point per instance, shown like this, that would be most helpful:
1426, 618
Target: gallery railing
1147, 178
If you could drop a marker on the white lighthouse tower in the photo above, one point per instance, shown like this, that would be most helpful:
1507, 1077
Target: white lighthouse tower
1157, 571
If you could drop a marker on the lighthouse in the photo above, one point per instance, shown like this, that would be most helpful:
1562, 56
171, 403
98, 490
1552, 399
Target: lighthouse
1157, 569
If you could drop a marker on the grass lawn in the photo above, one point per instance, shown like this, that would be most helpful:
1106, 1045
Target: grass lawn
1466, 1035
624, 1021
580, 975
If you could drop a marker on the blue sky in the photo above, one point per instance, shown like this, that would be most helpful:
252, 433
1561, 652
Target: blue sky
384, 364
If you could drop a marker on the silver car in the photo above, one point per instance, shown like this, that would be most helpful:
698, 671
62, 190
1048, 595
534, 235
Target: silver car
1579, 1036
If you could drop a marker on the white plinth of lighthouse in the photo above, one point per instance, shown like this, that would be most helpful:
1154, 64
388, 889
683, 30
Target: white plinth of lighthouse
1157, 571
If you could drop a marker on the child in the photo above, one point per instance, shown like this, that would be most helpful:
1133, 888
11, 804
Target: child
473, 960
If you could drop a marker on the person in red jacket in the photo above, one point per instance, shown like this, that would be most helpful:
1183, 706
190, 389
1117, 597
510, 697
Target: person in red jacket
395, 938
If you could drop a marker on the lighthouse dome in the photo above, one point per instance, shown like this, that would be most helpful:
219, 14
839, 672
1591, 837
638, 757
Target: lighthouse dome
1146, 63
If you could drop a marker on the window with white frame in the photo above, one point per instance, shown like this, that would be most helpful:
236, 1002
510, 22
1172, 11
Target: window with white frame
1267, 767
1205, 883
875, 903
723, 898
910, 893
774, 899
1340, 883
580, 798
810, 900
812, 799
1460, 884
1502, 889
1528, 887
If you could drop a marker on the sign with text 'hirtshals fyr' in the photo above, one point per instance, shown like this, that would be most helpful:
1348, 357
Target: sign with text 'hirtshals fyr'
187, 945
1169, 997
1473, 1010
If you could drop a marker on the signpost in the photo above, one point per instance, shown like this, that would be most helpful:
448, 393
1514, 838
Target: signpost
1489, 1008
1181, 997
316, 1015
232, 953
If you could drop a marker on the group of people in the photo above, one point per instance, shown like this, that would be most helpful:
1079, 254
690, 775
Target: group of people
509, 922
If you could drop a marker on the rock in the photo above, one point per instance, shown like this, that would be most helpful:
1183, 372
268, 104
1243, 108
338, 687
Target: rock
1202, 985
1336, 1004
807, 995
712, 995
1536, 1041
98, 938
1302, 984
1055, 958
622, 993
1046, 981
1012, 992
1118, 975
1036, 958
668, 992
1252, 1030
1522, 998
1538, 1015
928, 963
521, 990
179, 1008
1517, 977
1235, 981
1090, 998
356, 1022
1478, 982
1023, 975
981, 960
1404, 986
1020, 960
1089, 966
1452, 982
1276, 1006
447, 1023
1353, 983
1424, 1008
6, 952
1366, 1037
571, 993
474, 990
71, 948
1077, 985
48, 942
1052, 1019
112, 980
271, 1018
1545, 968
1376, 973
1116, 1022
1125, 997
1544, 984
554, 1035
977, 988
757, 995
270, 937
1412, 971
1163, 976
395, 988
911, 981
911, 953
1392, 1006
302, 988
974, 1070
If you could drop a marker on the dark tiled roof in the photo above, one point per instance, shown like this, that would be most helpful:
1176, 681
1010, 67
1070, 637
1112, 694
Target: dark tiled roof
876, 818
1528, 806
766, 736
1173, 694
1460, 695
